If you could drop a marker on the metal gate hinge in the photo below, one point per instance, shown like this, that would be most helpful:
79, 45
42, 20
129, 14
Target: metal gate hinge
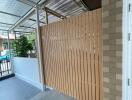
128, 82
129, 7
129, 36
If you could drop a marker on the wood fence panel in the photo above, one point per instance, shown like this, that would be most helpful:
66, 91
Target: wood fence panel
73, 55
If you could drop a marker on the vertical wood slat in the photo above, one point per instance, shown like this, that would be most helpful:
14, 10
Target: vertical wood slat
72, 55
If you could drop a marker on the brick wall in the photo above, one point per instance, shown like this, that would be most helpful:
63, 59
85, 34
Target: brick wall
112, 49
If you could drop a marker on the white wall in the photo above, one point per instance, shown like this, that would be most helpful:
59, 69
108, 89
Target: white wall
127, 51
125, 46
27, 69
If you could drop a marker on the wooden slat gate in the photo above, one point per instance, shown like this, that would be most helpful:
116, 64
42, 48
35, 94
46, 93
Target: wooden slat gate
72, 55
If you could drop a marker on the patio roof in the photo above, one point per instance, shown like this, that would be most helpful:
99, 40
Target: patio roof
11, 11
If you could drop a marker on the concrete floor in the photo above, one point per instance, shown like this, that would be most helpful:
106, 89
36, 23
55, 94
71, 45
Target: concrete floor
15, 89
51, 95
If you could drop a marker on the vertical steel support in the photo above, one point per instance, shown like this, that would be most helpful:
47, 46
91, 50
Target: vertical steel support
8, 40
15, 34
15, 40
39, 49
9, 48
47, 20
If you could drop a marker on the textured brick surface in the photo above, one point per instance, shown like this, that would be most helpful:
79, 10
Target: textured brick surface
112, 49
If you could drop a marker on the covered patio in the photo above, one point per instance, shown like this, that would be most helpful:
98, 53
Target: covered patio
23, 78
75, 54
22, 17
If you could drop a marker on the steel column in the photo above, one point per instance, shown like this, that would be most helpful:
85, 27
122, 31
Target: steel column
9, 48
14, 34
47, 20
8, 40
39, 49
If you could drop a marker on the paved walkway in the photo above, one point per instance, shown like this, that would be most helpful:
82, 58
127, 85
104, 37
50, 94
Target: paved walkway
51, 95
15, 89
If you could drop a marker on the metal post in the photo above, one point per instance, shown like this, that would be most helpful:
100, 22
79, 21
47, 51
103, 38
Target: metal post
8, 40
14, 53
39, 49
9, 48
15, 35
46, 16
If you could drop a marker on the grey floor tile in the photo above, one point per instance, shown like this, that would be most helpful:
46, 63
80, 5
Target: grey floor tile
51, 95
16, 89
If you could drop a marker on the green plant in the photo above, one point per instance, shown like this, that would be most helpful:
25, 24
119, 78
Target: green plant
21, 46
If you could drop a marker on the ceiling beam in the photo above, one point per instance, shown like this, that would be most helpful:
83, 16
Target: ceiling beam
14, 31
5, 23
84, 4
19, 26
54, 13
26, 16
80, 4
28, 2
2, 12
30, 13
32, 3
3, 30
27, 27
22, 31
